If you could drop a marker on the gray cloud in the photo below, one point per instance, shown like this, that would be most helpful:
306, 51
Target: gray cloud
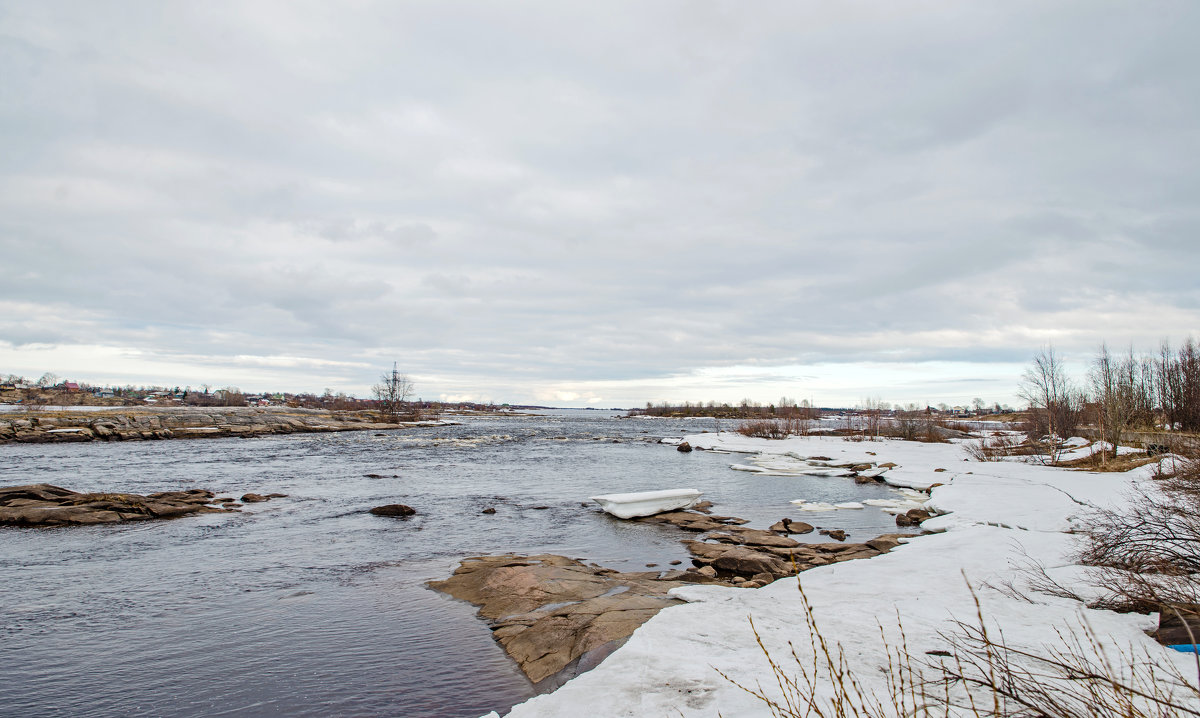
522, 197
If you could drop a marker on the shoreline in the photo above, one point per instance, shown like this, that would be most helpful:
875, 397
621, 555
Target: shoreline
995, 519
149, 423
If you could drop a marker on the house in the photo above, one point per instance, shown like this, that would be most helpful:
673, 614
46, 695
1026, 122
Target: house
69, 386
105, 393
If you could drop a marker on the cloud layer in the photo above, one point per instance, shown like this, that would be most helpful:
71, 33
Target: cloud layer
611, 203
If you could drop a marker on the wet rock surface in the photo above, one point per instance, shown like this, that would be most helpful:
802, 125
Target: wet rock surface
48, 505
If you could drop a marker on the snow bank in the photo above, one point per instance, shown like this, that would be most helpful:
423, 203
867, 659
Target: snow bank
1000, 516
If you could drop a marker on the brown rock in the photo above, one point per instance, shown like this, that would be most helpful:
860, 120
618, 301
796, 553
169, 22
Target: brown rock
912, 517
47, 505
550, 611
393, 510
753, 537
787, 526
883, 545
684, 447
746, 562
253, 498
488, 510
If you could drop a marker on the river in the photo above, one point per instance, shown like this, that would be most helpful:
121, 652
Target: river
308, 605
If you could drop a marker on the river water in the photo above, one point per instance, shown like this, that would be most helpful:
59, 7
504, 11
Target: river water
308, 605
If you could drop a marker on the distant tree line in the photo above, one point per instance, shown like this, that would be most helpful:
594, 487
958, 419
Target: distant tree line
746, 409
1122, 393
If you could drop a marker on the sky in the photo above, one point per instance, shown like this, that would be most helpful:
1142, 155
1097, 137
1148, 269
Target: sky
596, 204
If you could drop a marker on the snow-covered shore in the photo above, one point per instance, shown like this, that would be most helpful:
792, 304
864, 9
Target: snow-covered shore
997, 519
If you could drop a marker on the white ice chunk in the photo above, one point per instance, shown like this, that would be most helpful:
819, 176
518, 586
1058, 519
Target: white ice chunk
646, 503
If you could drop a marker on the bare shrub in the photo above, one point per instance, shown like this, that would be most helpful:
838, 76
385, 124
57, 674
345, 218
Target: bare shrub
1148, 552
993, 448
774, 428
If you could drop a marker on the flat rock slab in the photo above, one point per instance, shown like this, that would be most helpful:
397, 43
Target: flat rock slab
551, 612
47, 505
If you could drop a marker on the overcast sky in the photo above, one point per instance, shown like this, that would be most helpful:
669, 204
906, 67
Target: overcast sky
595, 203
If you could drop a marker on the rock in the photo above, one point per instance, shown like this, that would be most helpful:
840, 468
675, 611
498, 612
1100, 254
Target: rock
676, 562
835, 534
550, 612
938, 471
707, 571
754, 537
393, 510
488, 510
787, 526
703, 507
860, 467
684, 447
883, 544
888, 465
47, 505
253, 498
277, 496
762, 579
913, 517
819, 458
374, 476
746, 562
540, 508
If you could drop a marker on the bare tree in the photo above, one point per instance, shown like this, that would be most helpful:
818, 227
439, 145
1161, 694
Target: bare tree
1056, 406
392, 393
1123, 388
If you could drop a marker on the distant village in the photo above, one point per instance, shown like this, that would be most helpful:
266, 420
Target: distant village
49, 390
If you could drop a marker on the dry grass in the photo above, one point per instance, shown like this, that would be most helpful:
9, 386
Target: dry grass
980, 675
1099, 462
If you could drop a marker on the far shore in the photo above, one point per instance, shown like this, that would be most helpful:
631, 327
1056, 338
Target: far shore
84, 424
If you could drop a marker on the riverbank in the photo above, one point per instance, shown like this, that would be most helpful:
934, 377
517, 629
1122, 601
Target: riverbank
153, 423
997, 520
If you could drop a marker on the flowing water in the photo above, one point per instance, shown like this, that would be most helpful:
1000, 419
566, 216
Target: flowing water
308, 605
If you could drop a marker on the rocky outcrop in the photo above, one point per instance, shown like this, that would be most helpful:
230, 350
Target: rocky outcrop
552, 613
557, 616
47, 505
144, 424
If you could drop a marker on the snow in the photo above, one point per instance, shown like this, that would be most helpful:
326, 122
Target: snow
646, 503
999, 518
